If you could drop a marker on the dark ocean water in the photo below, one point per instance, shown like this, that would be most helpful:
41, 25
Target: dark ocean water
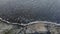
24, 11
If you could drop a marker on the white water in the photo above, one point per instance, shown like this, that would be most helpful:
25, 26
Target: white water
29, 23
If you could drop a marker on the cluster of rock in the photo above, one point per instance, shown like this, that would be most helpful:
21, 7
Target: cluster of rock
37, 27
42, 27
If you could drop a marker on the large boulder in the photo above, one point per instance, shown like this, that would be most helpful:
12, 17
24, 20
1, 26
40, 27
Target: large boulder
8, 28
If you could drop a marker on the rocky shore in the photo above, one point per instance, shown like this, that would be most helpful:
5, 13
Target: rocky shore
37, 27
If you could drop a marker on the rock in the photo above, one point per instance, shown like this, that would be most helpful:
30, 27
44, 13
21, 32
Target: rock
8, 28
41, 27
37, 27
5, 27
